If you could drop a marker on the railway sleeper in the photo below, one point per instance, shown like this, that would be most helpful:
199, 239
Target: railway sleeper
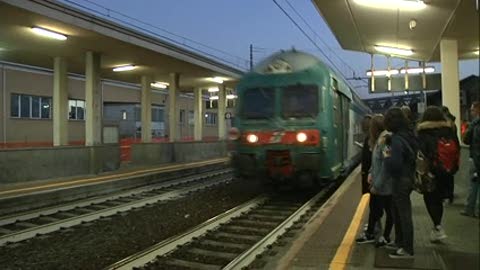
259, 223
65, 215
250, 239
187, 264
200, 258
267, 218
208, 243
273, 212
26, 225
48, 219
244, 230
5, 231
279, 208
228, 256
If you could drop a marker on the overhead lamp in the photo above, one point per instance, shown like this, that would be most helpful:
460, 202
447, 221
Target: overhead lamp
412, 5
231, 96
48, 33
213, 98
213, 89
161, 85
393, 50
417, 70
477, 52
215, 79
124, 68
382, 72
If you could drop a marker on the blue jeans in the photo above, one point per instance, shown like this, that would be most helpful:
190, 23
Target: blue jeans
474, 192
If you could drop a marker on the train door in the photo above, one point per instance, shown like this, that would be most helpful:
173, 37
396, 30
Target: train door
346, 126
337, 124
341, 108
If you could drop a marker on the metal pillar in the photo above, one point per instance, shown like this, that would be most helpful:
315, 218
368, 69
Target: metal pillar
93, 100
172, 106
450, 81
146, 107
198, 115
221, 112
60, 102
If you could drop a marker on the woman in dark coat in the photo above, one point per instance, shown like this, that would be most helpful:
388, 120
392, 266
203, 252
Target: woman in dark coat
432, 128
366, 154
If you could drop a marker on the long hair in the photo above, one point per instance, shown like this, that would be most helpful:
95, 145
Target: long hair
376, 127
366, 123
434, 114
395, 120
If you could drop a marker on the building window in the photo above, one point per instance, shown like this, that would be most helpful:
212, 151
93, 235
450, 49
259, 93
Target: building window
157, 114
26, 106
124, 115
210, 119
191, 118
76, 109
211, 104
181, 120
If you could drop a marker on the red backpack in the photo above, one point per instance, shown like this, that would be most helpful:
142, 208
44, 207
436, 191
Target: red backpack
448, 156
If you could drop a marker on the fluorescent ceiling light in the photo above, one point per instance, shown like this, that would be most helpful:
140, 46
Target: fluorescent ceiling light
412, 5
477, 52
48, 33
213, 98
161, 85
124, 68
393, 50
213, 89
216, 79
416, 70
231, 96
382, 72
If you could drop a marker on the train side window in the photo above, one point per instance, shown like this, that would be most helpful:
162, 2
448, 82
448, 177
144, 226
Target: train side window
334, 84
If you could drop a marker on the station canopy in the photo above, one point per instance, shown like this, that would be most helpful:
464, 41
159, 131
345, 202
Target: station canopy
360, 25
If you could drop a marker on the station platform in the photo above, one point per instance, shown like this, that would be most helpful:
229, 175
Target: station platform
328, 241
15, 197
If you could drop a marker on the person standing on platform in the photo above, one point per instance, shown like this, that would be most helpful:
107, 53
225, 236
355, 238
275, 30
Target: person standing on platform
472, 138
439, 144
366, 154
400, 165
450, 187
381, 185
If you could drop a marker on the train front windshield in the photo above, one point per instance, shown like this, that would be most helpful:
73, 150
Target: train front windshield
300, 101
259, 103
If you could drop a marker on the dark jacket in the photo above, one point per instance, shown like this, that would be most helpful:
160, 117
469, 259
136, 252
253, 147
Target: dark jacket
401, 161
472, 138
366, 164
429, 133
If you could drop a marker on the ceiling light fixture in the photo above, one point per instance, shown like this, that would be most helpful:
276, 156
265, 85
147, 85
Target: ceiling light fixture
382, 72
417, 70
161, 85
412, 5
231, 96
213, 98
48, 33
477, 52
124, 68
213, 89
216, 79
393, 50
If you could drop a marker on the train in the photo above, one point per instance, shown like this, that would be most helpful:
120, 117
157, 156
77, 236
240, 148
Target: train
295, 117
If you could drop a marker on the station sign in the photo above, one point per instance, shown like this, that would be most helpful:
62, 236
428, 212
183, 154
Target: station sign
415, 83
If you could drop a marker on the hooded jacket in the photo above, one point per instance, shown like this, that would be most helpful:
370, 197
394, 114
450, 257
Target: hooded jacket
429, 132
381, 180
400, 163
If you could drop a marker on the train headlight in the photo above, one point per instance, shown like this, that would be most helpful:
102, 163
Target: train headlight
252, 138
301, 137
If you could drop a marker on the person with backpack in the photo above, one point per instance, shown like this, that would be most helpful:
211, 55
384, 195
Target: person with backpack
400, 165
450, 187
472, 138
381, 185
439, 144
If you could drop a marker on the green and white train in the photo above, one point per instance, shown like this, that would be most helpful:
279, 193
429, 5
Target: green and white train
296, 116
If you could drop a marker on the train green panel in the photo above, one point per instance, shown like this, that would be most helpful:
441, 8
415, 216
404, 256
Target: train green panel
290, 97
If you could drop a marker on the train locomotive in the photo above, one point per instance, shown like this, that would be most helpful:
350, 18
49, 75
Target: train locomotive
296, 117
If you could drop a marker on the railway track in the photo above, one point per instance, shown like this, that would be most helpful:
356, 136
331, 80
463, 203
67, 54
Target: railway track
231, 240
15, 228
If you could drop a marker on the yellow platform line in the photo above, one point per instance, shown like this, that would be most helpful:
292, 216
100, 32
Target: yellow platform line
339, 262
113, 177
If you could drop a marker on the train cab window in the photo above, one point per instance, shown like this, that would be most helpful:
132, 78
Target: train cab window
258, 103
300, 101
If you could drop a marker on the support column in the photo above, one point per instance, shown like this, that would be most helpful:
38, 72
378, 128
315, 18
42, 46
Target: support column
172, 107
146, 107
221, 112
198, 115
60, 102
450, 81
93, 100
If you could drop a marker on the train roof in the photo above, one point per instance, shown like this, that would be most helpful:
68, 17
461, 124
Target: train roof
286, 62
